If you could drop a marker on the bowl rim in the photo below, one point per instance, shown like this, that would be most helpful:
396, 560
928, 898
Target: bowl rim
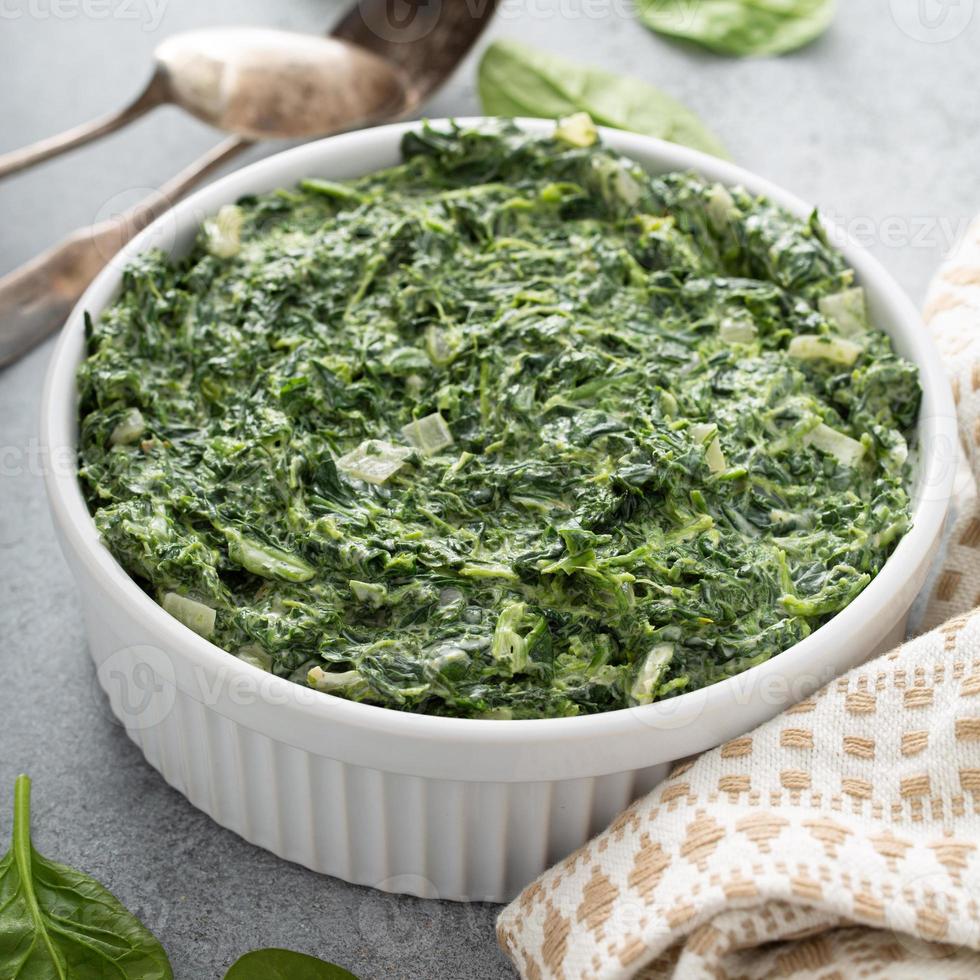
936, 426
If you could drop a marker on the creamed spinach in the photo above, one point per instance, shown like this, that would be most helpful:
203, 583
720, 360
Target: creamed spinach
510, 430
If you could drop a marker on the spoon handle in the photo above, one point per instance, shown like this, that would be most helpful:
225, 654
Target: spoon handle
153, 95
36, 299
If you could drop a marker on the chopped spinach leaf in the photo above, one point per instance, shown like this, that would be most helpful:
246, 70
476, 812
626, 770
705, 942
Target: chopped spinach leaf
511, 430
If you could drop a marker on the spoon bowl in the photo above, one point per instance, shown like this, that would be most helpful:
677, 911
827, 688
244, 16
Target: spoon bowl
268, 84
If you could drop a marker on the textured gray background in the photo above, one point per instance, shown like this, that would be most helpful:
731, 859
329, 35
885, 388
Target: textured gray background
877, 123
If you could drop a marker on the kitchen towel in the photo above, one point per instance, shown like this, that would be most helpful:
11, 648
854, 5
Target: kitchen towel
841, 839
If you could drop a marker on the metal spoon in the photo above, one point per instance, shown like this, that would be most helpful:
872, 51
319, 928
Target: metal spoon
426, 42
256, 83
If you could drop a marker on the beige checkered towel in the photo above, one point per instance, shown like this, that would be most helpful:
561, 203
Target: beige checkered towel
841, 839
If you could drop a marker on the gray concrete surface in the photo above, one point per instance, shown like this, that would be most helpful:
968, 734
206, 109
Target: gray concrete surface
877, 123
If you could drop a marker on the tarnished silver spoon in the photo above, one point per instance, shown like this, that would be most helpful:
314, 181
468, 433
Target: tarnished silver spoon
253, 82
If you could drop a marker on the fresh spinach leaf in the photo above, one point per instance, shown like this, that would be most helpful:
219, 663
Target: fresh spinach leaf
59, 924
516, 80
283, 964
740, 27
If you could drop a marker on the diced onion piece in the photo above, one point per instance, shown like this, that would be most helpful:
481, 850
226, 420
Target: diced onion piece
371, 593
844, 449
577, 129
624, 187
223, 231
253, 654
713, 455
265, 560
617, 183
848, 310
428, 435
129, 429
440, 345
614, 181
715, 458
734, 330
489, 571
648, 678
193, 614
899, 451
374, 461
817, 347
721, 207
324, 680
497, 714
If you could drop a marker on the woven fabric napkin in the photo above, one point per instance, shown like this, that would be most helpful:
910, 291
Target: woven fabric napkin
841, 839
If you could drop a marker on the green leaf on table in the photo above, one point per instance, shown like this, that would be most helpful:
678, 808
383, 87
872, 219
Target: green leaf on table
516, 80
60, 924
283, 964
740, 27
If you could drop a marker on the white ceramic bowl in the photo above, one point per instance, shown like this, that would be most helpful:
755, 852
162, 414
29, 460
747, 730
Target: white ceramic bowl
442, 807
